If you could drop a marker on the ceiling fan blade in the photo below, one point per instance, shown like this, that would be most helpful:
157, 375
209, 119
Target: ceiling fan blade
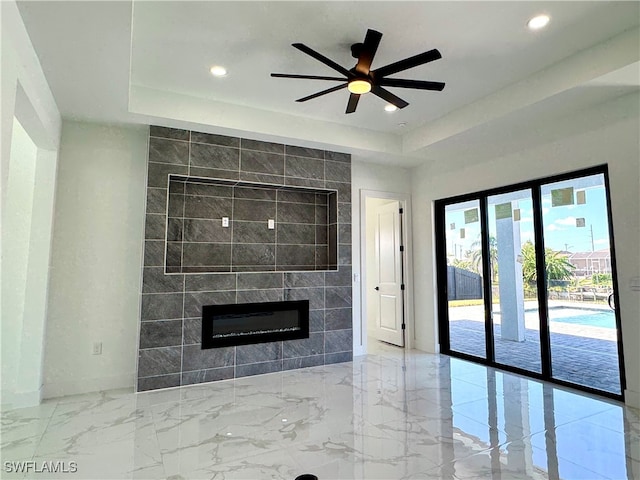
369, 49
307, 77
407, 63
419, 84
321, 58
388, 96
353, 103
323, 92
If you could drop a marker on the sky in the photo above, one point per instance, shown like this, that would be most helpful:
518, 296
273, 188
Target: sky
560, 229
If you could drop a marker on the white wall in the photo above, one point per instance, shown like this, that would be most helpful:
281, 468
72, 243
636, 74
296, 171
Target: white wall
29, 161
96, 259
27, 215
25, 91
617, 145
367, 176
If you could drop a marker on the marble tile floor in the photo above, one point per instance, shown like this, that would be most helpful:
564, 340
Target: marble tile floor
388, 415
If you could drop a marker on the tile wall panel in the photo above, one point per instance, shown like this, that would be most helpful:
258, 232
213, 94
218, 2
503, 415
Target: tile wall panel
197, 241
172, 296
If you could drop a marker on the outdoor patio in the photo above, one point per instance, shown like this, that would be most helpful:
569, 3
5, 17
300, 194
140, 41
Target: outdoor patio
581, 354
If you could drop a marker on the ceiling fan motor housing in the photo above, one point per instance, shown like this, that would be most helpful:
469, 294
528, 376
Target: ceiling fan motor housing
356, 49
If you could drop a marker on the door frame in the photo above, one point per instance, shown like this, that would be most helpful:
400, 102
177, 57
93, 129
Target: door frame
441, 275
360, 328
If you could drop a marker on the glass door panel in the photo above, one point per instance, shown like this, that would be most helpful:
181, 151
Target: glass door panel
582, 326
552, 233
464, 279
516, 323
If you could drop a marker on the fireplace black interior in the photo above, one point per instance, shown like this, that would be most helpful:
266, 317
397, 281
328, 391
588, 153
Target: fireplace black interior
247, 323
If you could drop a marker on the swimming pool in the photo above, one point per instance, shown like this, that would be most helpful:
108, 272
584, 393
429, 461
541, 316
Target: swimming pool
590, 318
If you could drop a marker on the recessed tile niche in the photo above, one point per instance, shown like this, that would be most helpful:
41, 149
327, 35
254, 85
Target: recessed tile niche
196, 179
215, 226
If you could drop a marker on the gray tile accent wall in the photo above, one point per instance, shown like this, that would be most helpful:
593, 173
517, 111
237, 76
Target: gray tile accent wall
197, 241
179, 221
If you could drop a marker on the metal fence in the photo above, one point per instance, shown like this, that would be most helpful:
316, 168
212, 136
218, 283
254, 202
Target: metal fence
463, 284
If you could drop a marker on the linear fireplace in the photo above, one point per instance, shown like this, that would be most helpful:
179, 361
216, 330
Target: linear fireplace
248, 323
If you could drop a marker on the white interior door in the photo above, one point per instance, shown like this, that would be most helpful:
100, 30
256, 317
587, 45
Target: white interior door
388, 275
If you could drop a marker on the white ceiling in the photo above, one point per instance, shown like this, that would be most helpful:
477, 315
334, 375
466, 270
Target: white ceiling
149, 62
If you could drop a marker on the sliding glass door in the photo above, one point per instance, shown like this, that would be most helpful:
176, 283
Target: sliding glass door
515, 315
465, 301
526, 281
582, 326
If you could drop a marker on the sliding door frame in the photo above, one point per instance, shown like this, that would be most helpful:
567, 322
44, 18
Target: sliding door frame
545, 340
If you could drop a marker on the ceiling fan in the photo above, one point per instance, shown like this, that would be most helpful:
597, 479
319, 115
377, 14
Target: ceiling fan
361, 79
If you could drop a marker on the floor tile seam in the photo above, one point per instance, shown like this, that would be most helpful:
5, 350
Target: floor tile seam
501, 429
233, 459
463, 457
157, 440
216, 468
580, 465
186, 414
24, 423
157, 425
103, 417
561, 457
584, 419
453, 406
198, 417
598, 452
99, 441
453, 378
18, 414
489, 447
386, 431
598, 425
107, 394
45, 430
177, 420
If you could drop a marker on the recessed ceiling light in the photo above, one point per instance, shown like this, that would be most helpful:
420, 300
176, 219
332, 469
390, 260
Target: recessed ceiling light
390, 108
218, 71
538, 22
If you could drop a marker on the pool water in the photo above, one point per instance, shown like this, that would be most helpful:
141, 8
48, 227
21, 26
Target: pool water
595, 319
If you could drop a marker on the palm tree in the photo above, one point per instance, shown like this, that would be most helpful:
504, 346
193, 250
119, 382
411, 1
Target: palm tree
475, 256
557, 267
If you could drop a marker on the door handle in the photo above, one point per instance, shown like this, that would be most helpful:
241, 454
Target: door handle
377, 288
612, 302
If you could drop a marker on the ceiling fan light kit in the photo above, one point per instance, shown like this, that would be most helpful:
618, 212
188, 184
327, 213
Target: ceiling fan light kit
361, 79
359, 86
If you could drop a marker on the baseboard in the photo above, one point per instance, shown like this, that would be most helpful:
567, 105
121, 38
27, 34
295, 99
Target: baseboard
632, 398
87, 385
417, 345
359, 351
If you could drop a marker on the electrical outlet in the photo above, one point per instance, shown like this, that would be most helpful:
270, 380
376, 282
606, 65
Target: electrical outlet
97, 348
271, 224
225, 221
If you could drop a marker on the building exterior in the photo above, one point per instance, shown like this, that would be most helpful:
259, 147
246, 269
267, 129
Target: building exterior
589, 263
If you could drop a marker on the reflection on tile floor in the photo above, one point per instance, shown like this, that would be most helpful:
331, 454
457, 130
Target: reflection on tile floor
388, 415
581, 354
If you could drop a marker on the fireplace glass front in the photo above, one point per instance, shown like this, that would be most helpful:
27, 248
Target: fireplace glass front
248, 323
